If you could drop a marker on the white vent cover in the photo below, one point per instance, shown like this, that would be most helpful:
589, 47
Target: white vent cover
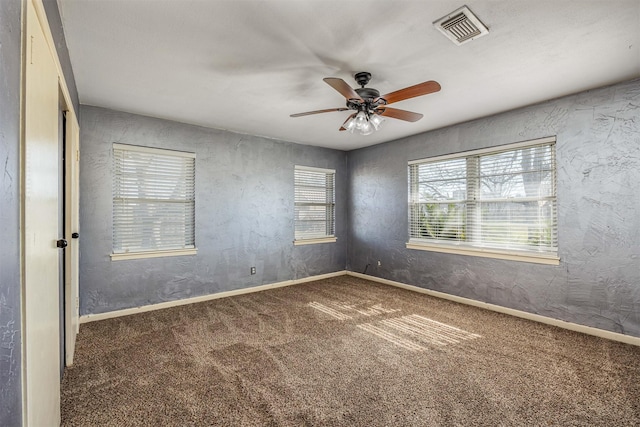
461, 26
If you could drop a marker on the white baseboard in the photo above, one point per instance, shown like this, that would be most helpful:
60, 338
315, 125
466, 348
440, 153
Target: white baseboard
142, 309
627, 339
614, 336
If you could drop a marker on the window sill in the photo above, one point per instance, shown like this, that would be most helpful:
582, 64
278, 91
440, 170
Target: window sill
487, 253
153, 254
314, 241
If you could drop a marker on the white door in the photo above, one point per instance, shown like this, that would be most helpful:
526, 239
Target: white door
40, 227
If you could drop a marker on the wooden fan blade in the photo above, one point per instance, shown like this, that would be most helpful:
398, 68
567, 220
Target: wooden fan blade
342, 87
345, 122
407, 116
308, 113
412, 91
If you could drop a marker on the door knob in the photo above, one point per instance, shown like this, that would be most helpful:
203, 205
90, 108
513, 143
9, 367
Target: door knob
62, 243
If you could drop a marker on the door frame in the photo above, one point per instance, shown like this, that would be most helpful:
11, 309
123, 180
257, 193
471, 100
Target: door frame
71, 208
72, 228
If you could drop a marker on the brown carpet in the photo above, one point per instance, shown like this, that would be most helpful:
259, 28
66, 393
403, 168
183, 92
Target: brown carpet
345, 352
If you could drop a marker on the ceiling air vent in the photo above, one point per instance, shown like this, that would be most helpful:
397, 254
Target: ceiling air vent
461, 26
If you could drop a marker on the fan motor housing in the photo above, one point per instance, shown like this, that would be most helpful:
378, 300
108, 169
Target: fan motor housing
371, 99
368, 93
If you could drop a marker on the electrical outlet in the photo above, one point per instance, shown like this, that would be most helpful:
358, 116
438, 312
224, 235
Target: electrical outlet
379, 263
253, 270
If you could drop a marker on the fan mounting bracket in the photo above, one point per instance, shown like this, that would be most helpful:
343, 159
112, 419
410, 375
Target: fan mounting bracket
362, 78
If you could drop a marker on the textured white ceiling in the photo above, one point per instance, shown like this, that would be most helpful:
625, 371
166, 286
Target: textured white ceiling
247, 65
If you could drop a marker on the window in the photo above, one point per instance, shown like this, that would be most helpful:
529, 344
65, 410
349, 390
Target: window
315, 205
153, 202
498, 202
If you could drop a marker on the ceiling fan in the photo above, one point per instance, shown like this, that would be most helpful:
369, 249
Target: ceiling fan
371, 108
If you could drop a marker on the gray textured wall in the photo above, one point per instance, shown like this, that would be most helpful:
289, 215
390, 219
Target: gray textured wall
244, 213
10, 354
598, 155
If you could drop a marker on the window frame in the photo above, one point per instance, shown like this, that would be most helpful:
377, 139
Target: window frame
128, 253
330, 217
549, 257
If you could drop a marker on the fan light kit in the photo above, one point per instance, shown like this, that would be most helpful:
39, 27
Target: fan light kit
371, 108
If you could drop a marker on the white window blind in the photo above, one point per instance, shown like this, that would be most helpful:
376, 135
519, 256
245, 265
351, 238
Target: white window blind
153, 199
504, 199
314, 203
